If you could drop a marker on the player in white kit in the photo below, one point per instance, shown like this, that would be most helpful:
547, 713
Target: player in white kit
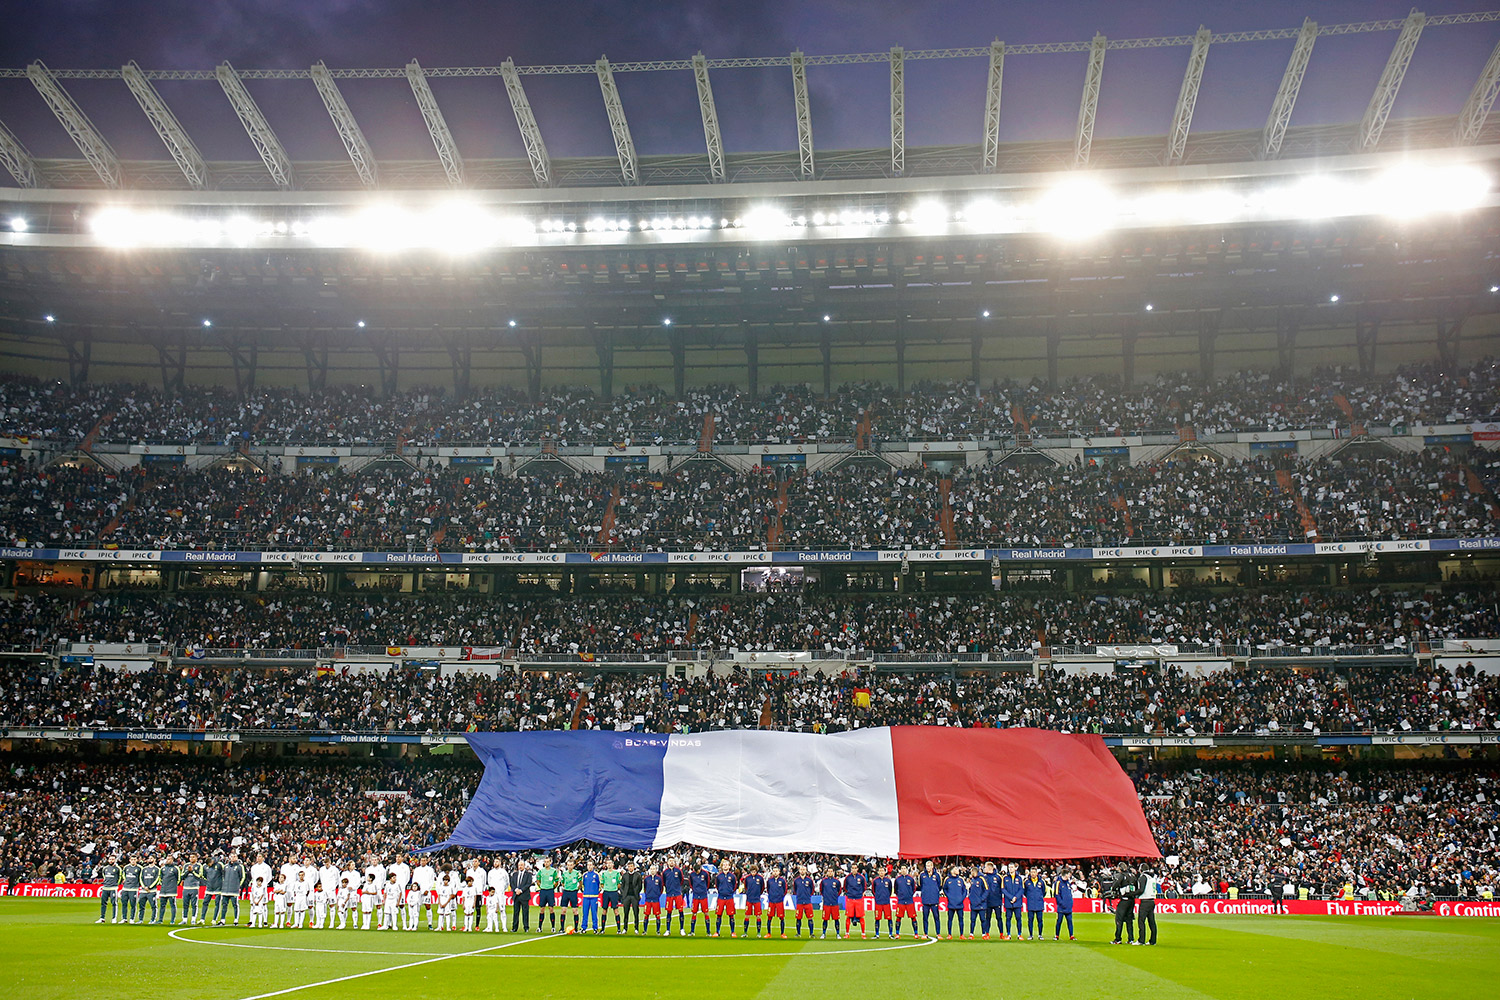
369, 893
302, 893
447, 901
424, 876
390, 899
260, 895
346, 900
328, 891
413, 899
279, 903
497, 885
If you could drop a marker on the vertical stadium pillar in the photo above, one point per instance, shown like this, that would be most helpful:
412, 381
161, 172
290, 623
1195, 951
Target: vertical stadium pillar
752, 363
679, 363
604, 351
826, 346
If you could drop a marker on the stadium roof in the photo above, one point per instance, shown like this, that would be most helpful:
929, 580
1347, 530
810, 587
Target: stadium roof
186, 168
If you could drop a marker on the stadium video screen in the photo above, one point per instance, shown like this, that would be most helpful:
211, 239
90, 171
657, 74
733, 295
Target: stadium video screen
770, 579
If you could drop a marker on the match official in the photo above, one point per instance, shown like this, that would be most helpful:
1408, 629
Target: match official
1146, 887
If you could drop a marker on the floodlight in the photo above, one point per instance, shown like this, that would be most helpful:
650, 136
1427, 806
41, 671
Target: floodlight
18, 225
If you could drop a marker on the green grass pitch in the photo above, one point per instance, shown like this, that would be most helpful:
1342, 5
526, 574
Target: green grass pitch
51, 949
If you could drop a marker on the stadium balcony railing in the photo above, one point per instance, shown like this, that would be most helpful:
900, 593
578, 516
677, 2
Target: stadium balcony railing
458, 654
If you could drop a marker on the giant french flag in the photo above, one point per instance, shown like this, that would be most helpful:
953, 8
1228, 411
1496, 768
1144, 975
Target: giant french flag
902, 791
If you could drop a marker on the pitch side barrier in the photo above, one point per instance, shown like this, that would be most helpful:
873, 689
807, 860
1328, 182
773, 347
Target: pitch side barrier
1468, 738
805, 557
1203, 905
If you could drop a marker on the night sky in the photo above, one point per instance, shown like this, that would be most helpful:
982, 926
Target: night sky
945, 100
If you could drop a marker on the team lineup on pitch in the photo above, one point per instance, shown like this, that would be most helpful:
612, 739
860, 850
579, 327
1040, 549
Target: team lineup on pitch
638, 897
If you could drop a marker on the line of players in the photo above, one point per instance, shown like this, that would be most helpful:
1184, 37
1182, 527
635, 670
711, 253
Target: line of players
580, 896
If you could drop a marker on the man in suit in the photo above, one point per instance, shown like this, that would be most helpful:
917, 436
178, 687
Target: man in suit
632, 884
521, 883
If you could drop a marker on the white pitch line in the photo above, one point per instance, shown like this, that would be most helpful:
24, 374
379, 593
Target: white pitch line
376, 972
487, 953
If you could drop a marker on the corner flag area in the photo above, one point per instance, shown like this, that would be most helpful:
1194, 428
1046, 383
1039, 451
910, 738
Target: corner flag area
49, 948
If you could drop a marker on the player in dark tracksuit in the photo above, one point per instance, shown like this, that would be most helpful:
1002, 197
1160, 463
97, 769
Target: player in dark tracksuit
193, 874
213, 877
1063, 892
979, 903
1013, 892
932, 889
109, 889
168, 881
996, 910
130, 886
955, 890
1036, 904
150, 880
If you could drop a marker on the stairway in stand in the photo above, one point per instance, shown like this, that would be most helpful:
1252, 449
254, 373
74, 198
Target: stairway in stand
607, 526
773, 537
1309, 526
945, 514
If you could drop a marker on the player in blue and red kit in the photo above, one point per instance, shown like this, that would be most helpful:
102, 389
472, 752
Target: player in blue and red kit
979, 903
880, 888
932, 889
671, 881
651, 895
776, 895
855, 884
727, 884
755, 886
828, 889
955, 890
905, 888
698, 882
588, 896
802, 890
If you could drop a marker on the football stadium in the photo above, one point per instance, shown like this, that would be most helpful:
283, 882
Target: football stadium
652, 515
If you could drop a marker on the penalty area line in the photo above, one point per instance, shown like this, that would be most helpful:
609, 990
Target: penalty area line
376, 972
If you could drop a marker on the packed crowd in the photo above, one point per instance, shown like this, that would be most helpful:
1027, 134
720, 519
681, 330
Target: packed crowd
929, 411
1274, 620
703, 505
1333, 831
1255, 700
